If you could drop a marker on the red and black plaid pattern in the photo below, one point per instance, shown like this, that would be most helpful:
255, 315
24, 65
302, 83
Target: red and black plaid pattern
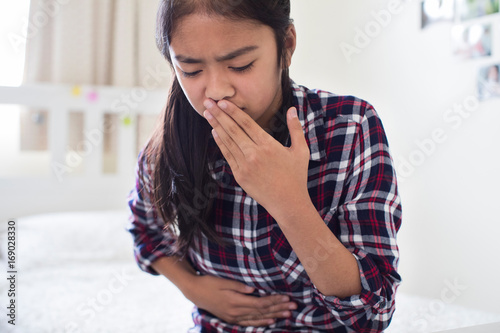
353, 185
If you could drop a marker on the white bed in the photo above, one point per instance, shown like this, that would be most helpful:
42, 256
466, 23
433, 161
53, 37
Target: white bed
76, 273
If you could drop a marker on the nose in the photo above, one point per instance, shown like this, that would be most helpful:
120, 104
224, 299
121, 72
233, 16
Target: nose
219, 87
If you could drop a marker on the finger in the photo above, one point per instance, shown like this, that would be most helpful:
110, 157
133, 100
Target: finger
226, 152
295, 128
228, 147
280, 309
256, 323
261, 314
264, 317
228, 140
232, 130
251, 128
237, 287
268, 303
275, 311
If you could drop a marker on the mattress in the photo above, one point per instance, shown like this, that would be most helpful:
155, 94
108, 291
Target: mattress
76, 273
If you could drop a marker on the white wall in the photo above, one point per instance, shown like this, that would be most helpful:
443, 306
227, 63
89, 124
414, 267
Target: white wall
450, 226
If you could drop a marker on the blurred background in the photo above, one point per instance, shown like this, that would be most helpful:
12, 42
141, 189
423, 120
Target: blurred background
82, 83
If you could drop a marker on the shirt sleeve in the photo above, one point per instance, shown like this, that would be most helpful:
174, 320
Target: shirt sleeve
368, 220
151, 240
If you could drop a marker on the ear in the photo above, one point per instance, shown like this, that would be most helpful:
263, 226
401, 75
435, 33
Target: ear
290, 44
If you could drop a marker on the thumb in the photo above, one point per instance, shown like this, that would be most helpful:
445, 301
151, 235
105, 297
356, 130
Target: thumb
295, 129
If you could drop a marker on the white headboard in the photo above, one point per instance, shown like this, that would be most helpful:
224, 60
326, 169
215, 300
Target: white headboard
60, 189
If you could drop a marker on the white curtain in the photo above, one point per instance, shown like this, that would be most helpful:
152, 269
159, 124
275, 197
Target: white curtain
96, 42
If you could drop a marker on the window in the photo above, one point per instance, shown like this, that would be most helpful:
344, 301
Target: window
13, 27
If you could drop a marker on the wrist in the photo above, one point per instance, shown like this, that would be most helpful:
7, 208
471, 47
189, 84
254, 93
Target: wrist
178, 271
295, 210
189, 286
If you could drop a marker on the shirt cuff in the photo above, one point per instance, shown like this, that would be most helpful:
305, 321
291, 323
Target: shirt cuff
146, 254
371, 290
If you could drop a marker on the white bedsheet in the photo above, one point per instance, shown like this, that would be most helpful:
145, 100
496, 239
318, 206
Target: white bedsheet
76, 274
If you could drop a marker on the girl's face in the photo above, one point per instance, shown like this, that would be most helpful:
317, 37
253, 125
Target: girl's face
217, 58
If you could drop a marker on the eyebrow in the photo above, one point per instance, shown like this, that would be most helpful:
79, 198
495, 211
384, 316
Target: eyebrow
229, 56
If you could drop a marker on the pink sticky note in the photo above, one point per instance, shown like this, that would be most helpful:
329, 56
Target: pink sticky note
92, 96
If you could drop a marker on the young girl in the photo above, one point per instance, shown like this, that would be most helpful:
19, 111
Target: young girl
272, 207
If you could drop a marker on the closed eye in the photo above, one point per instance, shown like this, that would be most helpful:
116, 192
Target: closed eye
236, 69
242, 69
190, 74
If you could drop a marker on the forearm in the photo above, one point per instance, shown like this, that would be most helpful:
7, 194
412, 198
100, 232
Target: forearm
178, 271
332, 268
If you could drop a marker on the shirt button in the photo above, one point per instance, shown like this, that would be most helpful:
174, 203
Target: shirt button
246, 251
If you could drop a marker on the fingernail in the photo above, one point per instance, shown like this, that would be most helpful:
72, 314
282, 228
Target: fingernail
208, 115
208, 104
293, 113
222, 105
284, 298
292, 306
214, 133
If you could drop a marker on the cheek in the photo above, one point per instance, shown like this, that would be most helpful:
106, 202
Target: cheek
261, 89
193, 93
265, 90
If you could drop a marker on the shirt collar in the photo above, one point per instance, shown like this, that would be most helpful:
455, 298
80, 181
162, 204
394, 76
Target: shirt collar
311, 115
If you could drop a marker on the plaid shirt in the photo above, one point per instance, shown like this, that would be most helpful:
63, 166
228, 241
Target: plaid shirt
352, 183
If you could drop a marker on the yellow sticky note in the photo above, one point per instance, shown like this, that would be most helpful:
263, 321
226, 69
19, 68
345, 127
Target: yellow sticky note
127, 121
76, 91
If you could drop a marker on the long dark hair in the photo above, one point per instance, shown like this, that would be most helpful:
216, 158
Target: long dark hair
183, 189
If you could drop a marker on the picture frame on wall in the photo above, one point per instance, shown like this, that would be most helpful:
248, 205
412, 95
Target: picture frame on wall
469, 9
472, 41
437, 11
488, 83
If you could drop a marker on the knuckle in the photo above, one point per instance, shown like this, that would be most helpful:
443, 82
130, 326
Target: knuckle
264, 304
252, 157
229, 144
266, 149
232, 130
273, 308
278, 300
257, 317
245, 122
